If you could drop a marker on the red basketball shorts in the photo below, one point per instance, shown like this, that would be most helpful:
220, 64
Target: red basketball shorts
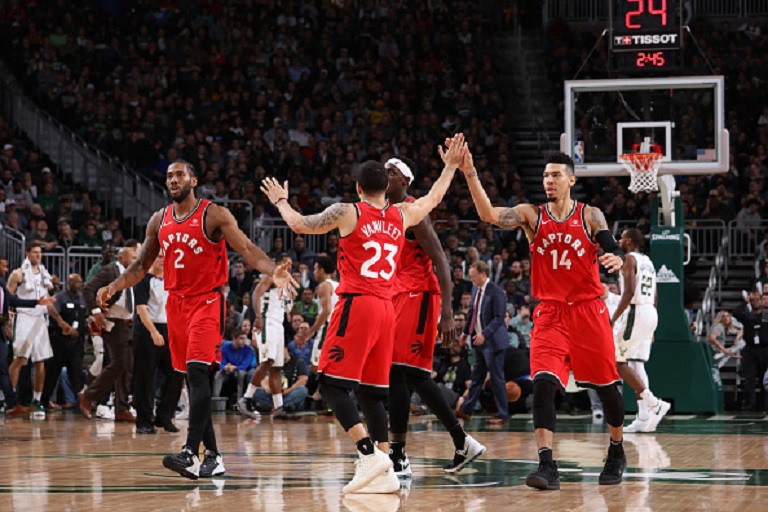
576, 337
195, 328
416, 316
358, 347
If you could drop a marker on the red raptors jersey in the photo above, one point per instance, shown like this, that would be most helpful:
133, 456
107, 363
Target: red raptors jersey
564, 259
369, 255
194, 264
415, 273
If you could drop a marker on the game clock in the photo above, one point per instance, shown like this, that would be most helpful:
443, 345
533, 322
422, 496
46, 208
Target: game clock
644, 25
645, 34
651, 62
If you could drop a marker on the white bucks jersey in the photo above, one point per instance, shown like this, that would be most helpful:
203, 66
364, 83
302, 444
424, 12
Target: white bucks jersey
273, 307
334, 297
645, 280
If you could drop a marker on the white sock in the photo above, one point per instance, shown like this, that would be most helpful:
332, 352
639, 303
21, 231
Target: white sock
37, 395
642, 410
250, 391
277, 400
650, 399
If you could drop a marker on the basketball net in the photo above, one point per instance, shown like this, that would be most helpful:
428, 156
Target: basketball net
643, 169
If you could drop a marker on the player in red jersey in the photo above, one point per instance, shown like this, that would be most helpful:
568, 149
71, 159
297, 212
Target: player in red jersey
192, 233
419, 291
572, 328
357, 353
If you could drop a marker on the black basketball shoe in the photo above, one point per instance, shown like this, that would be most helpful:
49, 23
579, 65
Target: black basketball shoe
212, 465
615, 464
184, 463
546, 478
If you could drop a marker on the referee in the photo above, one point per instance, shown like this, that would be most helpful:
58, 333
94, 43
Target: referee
151, 353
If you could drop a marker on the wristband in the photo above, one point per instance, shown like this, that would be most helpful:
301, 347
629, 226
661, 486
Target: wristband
96, 311
281, 199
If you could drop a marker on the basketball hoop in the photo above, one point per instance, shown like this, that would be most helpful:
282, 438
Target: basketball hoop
643, 169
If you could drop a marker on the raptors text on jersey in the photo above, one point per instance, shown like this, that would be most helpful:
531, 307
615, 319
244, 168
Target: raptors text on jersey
194, 264
564, 258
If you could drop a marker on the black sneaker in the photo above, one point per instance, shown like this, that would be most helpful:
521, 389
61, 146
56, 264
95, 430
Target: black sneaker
546, 478
184, 463
615, 464
212, 465
281, 414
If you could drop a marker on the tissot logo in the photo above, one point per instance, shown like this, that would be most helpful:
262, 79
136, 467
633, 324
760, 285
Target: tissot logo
645, 40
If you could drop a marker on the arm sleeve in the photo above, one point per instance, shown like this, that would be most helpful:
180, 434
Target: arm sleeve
17, 302
608, 243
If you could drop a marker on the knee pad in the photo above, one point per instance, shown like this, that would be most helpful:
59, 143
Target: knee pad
341, 404
544, 404
613, 404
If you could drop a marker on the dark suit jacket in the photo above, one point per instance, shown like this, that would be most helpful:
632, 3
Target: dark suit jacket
493, 305
103, 277
11, 300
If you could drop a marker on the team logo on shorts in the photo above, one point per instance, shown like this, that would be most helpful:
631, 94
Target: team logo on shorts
336, 354
417, 347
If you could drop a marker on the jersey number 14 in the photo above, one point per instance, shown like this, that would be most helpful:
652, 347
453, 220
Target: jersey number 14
563, 261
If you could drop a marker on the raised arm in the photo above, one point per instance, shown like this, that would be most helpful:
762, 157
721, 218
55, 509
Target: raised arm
222, 220
341, 216
428, 240
414, 212
522, 215
325, 293
139, 268
629, 271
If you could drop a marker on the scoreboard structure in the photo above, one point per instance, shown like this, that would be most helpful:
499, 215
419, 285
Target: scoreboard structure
645, 35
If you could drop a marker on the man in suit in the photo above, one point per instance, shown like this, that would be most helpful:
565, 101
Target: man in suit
116, 324
13, 410
488, 334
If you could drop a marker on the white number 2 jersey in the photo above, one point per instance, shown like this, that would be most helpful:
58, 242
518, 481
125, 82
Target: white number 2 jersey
645, 280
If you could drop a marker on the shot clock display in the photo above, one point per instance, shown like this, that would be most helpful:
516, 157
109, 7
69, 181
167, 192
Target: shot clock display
645, 34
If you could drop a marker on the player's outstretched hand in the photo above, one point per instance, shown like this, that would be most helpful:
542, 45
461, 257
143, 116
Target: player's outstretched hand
102, 296
286, 285
271, 187
611, 262
46, 301
454, 153
448, 330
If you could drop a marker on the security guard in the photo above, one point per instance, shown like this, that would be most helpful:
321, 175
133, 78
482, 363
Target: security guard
67, 333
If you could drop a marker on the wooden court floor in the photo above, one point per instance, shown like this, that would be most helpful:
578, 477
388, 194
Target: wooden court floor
69, 464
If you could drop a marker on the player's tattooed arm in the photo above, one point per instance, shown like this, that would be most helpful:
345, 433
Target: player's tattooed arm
597, 221
509, 218
325, 221
334, 217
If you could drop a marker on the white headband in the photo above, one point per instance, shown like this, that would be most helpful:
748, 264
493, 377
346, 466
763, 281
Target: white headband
400, 166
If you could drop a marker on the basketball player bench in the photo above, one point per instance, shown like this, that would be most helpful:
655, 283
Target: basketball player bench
644, 128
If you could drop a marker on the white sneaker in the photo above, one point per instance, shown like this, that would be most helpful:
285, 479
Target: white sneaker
105, 412
472, 450
402, 468
636, 426
368, 468
655, 415
386, 483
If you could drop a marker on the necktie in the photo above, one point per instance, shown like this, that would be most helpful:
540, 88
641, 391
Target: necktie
129, 301
475, 311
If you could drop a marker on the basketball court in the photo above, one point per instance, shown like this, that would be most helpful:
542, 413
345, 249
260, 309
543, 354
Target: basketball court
691, 463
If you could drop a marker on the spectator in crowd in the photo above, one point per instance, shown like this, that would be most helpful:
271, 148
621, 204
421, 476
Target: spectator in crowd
722, 327
301, 345
42, 236
306, 306
241, 282
236, 360
523, 325
453, 374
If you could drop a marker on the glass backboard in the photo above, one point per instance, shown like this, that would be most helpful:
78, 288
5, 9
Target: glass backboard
682, 115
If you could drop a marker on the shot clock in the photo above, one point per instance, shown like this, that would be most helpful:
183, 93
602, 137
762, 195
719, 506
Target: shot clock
645, 35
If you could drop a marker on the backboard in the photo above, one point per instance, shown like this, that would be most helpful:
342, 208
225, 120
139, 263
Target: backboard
683, 115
